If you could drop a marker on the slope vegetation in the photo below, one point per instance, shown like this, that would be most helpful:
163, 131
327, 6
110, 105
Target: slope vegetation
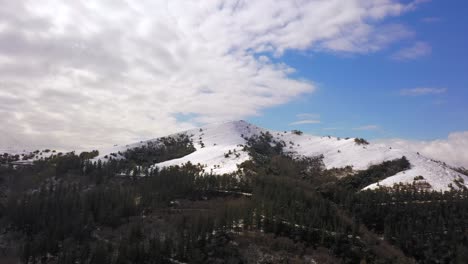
220, 148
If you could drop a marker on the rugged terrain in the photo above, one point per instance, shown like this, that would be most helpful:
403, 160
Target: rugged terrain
213, 144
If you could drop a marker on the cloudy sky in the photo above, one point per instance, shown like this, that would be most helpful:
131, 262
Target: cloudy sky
96, 73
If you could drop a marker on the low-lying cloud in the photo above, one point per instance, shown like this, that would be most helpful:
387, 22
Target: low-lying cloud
451, 150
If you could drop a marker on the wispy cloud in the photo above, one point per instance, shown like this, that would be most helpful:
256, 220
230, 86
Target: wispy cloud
308, 116
431, 19
417, 50
367, 127
422, 91
304, 122
413, 4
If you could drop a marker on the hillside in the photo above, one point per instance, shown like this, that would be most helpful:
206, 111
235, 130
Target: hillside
288, 204
213, 143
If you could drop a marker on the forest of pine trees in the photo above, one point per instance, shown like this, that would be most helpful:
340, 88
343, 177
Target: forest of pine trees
277, 209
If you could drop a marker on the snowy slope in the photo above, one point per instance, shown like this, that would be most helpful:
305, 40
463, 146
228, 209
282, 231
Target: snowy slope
28, 156
340, 153
218, 139
214, 141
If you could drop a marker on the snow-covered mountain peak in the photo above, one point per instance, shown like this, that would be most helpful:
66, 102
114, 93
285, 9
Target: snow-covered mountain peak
219, 147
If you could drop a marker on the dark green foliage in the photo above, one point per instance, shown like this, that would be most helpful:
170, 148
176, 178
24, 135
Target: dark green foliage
460, 183
89, 155
163, 149
462, 170
297, 132
263, 147
375, 173
430, 226
418, 178
361, 141
66, 163
61, 217
8, 158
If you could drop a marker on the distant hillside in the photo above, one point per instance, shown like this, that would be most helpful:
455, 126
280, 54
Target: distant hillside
220, 148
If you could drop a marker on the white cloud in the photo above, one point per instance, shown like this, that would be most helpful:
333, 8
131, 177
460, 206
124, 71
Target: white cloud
308, 116
104, 72
451, 150
304, 122
422, 91
368, 127
419, 49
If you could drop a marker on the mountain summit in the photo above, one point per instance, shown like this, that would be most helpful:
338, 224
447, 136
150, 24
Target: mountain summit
220, 148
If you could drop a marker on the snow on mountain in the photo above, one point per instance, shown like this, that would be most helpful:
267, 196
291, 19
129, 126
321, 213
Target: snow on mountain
27, 156
214, 141
341, 152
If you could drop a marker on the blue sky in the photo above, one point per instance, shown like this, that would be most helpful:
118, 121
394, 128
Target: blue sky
365, 90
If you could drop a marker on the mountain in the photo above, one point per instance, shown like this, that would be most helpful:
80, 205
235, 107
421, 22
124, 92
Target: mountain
213, 143
289, 202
